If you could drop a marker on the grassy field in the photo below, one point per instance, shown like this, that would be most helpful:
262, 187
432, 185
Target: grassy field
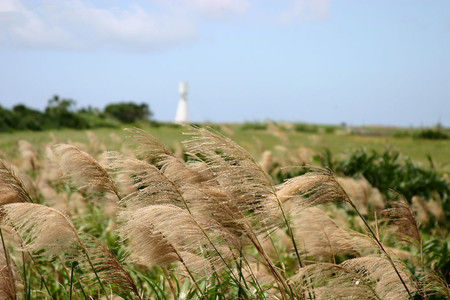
255, 141
207, 220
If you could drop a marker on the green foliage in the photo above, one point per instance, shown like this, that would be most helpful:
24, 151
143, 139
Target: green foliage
432, 134
388, 170
302, 127
61, 113
7, 119
253, 126
129, 112
437, 256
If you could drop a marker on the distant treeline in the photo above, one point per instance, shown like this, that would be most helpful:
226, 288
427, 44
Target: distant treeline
437, 132
61, 113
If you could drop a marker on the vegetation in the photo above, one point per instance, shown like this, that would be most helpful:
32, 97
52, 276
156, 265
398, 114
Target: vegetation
61, 113
205, 220
129, 112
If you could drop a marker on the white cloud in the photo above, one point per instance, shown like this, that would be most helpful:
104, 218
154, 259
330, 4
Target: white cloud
218, 7
72, 24
306, 10
148, 26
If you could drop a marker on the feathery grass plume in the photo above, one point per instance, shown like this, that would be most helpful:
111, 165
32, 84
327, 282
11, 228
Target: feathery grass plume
386, 281
267, 161
178, 151
361, 193
49, 232
41, 228
108, 267
29, 156
52, 197
186, 177
50, 171
150, 185
419, 208
249, 189
149, 148
9, 276
402, 216
321, 237
304, 155
94, 144
435, 284
321, 187
176, 169
311, 189
436, 209
182, 173
332, 281
367, 245
12, 187
83, 169
160, 234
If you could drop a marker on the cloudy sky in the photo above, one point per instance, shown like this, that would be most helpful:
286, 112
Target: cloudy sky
323, 61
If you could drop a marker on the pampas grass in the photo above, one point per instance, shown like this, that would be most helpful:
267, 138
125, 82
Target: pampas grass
205, 221
83, 169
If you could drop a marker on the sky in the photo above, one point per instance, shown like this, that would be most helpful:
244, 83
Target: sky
363, 62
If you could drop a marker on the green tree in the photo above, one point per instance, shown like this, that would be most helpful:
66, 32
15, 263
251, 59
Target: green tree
61, 114
129, 112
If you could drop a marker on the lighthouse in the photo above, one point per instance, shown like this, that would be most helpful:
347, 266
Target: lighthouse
182, 115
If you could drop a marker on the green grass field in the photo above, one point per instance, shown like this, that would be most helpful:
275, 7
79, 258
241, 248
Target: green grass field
255, 141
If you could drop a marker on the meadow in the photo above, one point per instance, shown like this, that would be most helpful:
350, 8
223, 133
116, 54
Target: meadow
223, 212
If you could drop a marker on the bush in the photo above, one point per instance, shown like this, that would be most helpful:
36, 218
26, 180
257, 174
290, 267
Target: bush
129, 112
432, 134
27, 118
61, 115
254, 126
302, 127
388, 170
7, 119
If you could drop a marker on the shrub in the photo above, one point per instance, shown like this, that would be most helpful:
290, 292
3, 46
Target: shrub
302, 127
129, 112
60, 114
432, 134
254, 126
388, 170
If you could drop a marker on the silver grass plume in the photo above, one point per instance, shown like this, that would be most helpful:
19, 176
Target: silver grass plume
108, 266
248, 188
9, 276
333, 281
320, 236
435, 284
163, 234
402, 216
149, 147
83, 169
379, 270
49, 232
12, 187
41, 228
150, 185
29, 155
311, 189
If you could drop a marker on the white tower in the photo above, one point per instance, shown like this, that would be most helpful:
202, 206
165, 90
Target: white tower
182, 111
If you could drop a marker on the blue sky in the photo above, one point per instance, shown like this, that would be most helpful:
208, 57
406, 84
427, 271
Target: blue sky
360, 62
